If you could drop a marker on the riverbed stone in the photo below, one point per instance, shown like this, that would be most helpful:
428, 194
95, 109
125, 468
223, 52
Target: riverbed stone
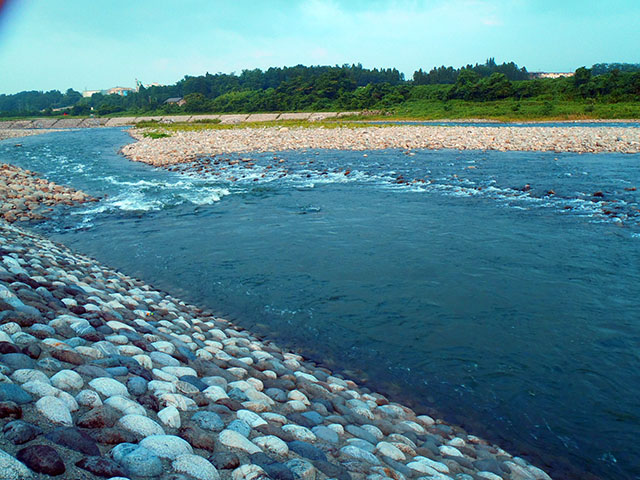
166, 446
195, 466
108, 387
55, 410
234, 440
170, 416
140, 425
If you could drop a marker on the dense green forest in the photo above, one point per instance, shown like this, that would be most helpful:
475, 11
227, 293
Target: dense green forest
604, 89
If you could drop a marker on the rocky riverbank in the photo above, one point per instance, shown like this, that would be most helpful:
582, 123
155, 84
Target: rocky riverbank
183, 147
24, 197
103, 376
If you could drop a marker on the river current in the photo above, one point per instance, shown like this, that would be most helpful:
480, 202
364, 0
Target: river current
498, 290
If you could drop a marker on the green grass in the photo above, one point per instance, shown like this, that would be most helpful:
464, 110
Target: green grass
155, 134
513, 110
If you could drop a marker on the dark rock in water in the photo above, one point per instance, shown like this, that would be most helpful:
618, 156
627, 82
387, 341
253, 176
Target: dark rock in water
17, 361
225, 461
10, 392
74, 439
99, 417
6, 347
197, 437
101, 466
68, 356
20, 432
307, 450
332, 471
32, 350
279, 471
10, 410
42, 459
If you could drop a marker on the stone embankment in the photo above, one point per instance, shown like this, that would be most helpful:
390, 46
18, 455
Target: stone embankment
186, 146
24, 197
48, 123
103, 376
16, 133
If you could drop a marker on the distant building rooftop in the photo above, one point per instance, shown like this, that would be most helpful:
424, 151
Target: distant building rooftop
551, 74
176, 100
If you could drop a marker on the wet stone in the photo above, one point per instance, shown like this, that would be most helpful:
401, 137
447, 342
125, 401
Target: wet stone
42, 459
74, 439
19, 432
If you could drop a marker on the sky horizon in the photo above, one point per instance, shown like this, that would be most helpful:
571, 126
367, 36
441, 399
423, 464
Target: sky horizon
57, 45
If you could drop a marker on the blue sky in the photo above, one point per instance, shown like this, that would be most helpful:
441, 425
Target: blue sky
57, 44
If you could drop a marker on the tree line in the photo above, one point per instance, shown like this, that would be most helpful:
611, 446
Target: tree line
346, 87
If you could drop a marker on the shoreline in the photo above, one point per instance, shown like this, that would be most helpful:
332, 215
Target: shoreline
185, 372
186, 146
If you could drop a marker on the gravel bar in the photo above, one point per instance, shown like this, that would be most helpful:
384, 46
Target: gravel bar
187, 146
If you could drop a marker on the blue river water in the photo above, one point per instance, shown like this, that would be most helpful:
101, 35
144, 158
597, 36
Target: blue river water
499, 290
